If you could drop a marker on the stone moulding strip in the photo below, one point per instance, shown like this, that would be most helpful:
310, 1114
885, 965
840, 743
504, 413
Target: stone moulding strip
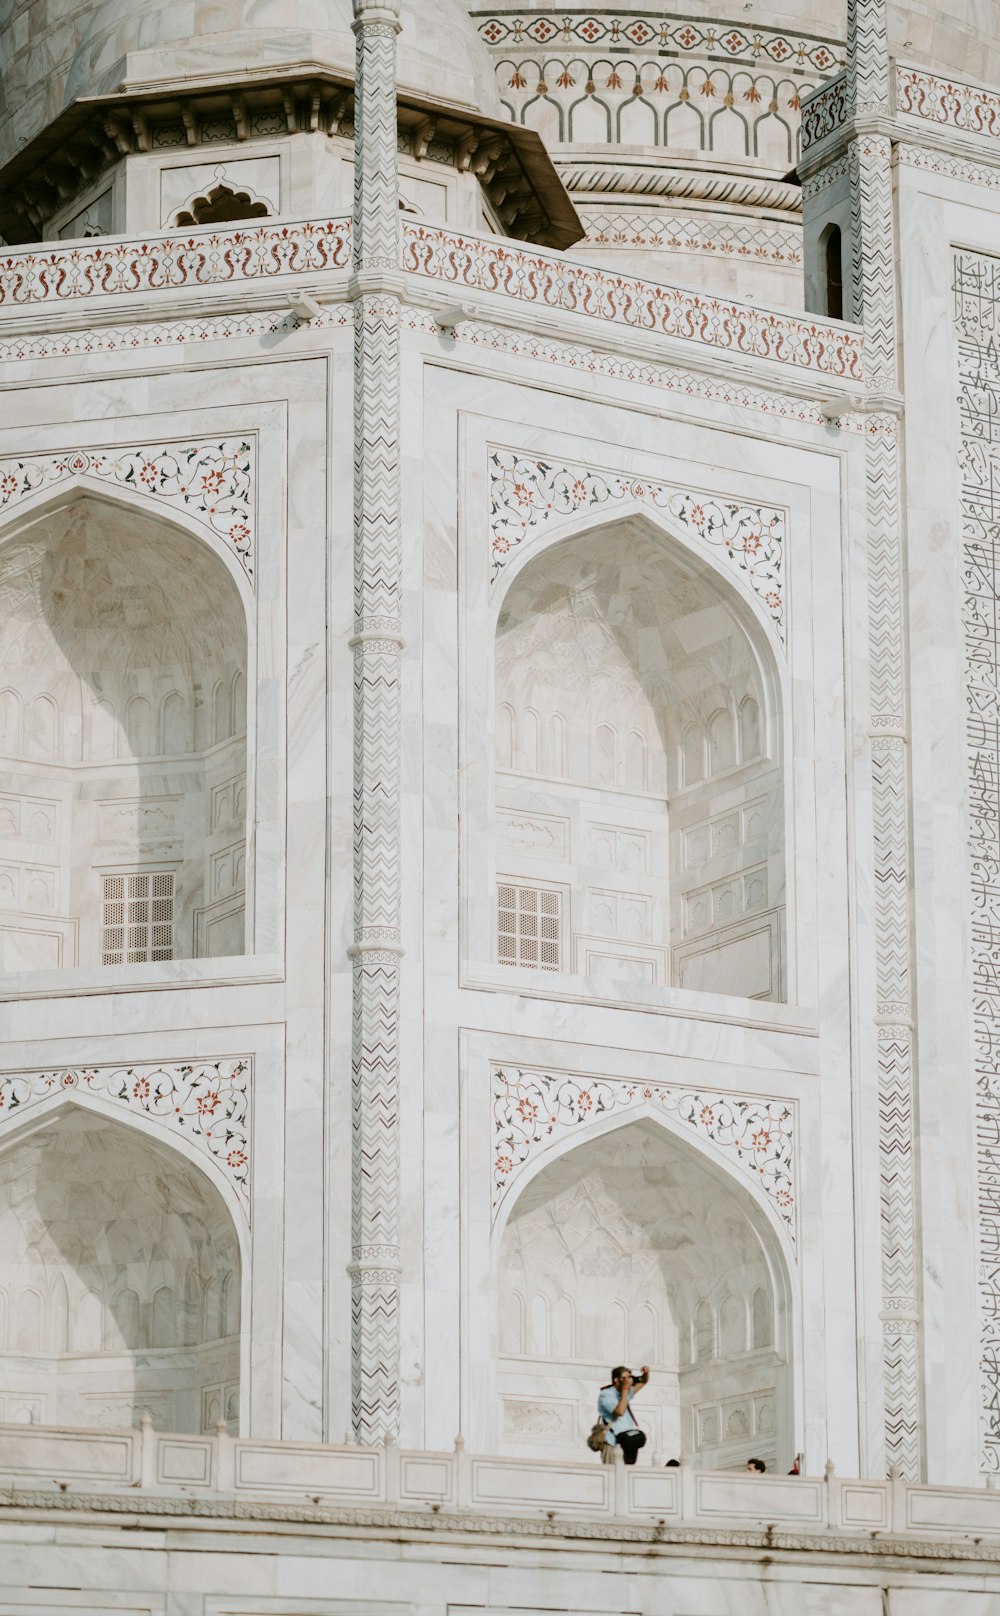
62, 275
533, 1107
526, 493
986, 174
205, 1102
550, 282
195, 1508
214, 482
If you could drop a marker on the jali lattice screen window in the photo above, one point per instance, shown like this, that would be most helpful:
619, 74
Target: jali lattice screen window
529, 926
138, 915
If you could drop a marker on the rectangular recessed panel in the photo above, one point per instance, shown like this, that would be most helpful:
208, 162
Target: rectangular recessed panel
496, 1482
864, 1504
59, 1456
425, 1478
285, 1468
951, 1510
184, 1461
758, 1498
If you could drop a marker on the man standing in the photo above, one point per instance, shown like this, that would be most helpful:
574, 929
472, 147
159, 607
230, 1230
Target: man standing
614, 1404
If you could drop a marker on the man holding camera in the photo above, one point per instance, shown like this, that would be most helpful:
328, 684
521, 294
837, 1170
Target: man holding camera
614, 1406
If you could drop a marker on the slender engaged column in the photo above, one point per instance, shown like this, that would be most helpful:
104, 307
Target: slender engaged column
873, 265
377, 646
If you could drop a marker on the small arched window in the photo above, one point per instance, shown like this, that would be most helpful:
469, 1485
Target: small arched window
221, 205
832, 250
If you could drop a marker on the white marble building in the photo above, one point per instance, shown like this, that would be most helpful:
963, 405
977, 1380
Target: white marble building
499, 806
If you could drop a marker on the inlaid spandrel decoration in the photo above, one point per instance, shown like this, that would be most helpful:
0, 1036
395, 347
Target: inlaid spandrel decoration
977, 327
526, 494
206, 1102
214, 482
533, 1108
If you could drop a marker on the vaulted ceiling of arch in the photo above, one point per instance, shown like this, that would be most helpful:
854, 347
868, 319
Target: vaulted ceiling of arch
96, 1197
632, 1212
612, 623
108, 592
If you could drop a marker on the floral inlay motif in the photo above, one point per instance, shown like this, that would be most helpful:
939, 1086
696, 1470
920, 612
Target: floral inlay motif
215, 482
59, 274
532, 1108
543, 280
948, 101
207, 1102
526, 493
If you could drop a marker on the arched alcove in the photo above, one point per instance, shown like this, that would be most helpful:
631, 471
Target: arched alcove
651, 1254
110, 1244
647, 847
123, 654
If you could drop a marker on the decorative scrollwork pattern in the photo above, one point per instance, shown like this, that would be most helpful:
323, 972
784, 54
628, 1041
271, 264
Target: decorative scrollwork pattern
525, 493
531, 1108
208, 1102
215, 482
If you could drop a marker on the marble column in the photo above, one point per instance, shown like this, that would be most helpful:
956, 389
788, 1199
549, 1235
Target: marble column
873, 264
377, 646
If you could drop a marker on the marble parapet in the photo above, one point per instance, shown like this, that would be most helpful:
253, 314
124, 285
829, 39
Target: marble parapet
275, 258
147, 1472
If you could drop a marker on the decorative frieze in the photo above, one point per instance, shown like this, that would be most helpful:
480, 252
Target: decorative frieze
59, 276
654, 32
976, 322
543, 281
748, 239
824, 112
214, 482
534, 1108
525, 494
207, 1103
948, 102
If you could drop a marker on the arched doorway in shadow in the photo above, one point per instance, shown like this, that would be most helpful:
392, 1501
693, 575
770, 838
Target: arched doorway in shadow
639, 783
123, 720
634, 1248
119, 1282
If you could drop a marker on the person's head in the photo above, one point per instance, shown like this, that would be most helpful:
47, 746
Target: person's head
618, 1375
756, 1467
671, 1463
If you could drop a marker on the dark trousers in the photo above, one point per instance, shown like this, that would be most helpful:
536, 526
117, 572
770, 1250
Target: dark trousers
630, 1442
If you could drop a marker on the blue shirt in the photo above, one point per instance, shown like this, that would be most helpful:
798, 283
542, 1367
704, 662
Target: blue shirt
608, 1399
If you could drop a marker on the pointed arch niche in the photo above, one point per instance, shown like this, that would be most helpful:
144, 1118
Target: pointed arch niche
123, 722
634, 1247
119, 1281
638, 776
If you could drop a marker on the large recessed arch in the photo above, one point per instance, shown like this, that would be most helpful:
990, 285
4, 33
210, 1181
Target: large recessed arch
631, 1245
120, 1279
714, 557
123, 774
639, 784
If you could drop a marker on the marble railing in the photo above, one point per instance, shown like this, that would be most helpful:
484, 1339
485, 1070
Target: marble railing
40, 1459
274, 257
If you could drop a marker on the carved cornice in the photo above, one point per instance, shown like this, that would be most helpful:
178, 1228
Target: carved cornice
88, 137
736, 190
421, 1524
